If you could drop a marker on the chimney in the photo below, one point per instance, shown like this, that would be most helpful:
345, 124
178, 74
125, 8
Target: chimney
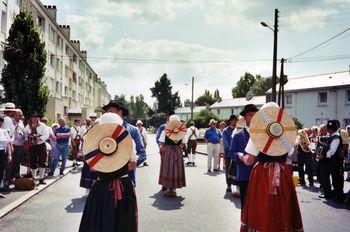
66, 30
84, 55
76, 44
52, 11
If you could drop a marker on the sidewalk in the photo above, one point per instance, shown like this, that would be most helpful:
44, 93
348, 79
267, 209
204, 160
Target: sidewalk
201, 148
15, 198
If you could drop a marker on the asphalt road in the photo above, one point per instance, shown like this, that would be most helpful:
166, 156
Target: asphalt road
201, 206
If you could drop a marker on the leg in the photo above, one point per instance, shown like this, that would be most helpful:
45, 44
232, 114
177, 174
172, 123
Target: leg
243, 185
65, 150
309, 169
301, 168
210, 151
55, 159
194, 148
328, 166
227, 171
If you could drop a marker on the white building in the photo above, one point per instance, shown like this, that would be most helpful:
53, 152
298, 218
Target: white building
8, 8
315, 99
226, 107
185, 112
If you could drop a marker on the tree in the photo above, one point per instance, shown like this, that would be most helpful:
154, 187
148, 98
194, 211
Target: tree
187, 103
162, 90
205, 99
137, 106
217, 97
261, 85
243, 85
23, 73
202, 119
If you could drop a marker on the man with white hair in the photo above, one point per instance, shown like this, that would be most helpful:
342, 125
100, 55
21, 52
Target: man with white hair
63, 135
143, 133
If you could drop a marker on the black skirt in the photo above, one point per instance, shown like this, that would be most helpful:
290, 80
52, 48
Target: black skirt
87, 177
103, 212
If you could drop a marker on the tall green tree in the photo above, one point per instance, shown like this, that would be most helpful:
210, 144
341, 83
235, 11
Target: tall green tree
205, 99
243, 85
23, 73
261, 85
187, 103
162, 90
217, 97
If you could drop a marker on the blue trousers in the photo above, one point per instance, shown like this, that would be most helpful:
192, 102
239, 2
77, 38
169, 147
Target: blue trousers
61, 151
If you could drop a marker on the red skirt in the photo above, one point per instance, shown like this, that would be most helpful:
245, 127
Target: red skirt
264, 211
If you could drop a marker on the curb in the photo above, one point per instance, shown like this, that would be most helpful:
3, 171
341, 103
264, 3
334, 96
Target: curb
12, 206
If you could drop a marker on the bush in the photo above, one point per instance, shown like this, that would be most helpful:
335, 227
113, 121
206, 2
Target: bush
202, 119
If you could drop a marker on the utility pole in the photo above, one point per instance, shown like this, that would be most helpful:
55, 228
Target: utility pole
192, 105
274, 67
283, 81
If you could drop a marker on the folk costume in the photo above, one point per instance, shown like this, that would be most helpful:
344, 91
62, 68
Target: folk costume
37, 134
192, 135
75, 141
271, 204
111, 204
172, 169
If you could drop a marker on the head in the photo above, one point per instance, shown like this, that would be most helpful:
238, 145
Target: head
213, 123
34, 118
323, 130
88, 122
19, 115
233, 121
76, 122
44, 120
10, 109
222, 125
139, 124
191, 123
54, 126
249, 112
331, 126
314, 130
170, 113
348, 129
62, 122
115, 110
116, 107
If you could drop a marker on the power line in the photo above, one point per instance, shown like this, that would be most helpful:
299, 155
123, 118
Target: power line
319, 45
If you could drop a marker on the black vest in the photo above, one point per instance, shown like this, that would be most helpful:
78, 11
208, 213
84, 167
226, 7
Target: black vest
171, 142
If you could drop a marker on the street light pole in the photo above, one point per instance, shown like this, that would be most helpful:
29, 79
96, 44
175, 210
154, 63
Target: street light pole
274, 67
192, 106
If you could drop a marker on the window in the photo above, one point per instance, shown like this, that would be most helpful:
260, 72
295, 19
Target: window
41, 23
65, 110
66, 91
52, 60
3, 21
52, 34
218, 111
347, 96
19, 3
289, 99
57, 88
322, 98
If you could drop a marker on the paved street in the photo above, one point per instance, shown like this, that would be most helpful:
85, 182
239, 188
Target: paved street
202, 206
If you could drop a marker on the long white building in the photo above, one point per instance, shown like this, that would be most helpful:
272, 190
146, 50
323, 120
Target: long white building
315, 99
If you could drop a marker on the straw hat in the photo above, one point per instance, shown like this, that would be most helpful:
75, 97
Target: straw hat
273, 131
107, 147
175, 129
241, 123
212, 121
139, 122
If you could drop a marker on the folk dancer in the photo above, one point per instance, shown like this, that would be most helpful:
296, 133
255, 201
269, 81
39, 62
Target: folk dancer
237, 149
111, 204
231, 167
192, 136
320, 151
305, 158
36, 134
172, 169
143, 132
119, 108
75, 141
212, 137
271, 203
159, 132
5, 155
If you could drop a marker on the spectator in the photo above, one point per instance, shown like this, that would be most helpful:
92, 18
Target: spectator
212, 137
62, 134
143, 133
75, 141
18, 141
5, 155
191, 135
221, 153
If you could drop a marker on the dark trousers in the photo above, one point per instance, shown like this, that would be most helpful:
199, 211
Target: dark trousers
328, 167
243, 186
338, 178
17, 156
3, 163
305, 160
227, 172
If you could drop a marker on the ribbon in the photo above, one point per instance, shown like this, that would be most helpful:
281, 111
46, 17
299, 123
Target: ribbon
180, 128
118, 189
274, 176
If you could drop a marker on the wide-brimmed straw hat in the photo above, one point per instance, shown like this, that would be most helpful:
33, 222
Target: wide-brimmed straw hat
107, 147
212, 121
9, 106
273, 131
175, 129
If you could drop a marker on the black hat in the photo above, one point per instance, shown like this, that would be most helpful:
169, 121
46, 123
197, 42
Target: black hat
171, 112
117, 104
332, 124
233, 117
34, 115
248, 108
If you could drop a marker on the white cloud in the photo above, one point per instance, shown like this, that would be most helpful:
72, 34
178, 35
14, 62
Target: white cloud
307, 19
91, 30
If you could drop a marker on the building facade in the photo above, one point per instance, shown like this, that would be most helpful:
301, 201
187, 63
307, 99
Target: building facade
185, 112
314, 100
226, 107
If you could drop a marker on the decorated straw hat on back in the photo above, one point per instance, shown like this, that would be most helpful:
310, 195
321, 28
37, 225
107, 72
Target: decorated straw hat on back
272, 130
107, 145
175, 129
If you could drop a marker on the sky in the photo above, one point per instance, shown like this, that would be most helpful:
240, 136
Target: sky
131, 43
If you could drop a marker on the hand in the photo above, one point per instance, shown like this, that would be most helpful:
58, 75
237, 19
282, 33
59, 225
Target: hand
9, 158
320, 157
241, 157
37, 140
132, 165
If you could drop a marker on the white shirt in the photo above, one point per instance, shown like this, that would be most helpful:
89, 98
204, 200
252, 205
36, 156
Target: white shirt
4, 139
8, 126
51, 134
333, 147
41, 130
83, 130
192, 133
74, 131
143, 133
19, 134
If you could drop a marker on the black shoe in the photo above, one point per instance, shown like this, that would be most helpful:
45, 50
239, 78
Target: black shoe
325, 196
188, 163
163, 189
6, 189
74, 165
41, 181
229, 190
216, 170
61, 173
145, 164
50, 173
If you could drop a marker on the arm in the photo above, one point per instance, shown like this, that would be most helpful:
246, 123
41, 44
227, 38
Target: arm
140, 150
234, 148
159, 132
333, 148
44, 133
206, 135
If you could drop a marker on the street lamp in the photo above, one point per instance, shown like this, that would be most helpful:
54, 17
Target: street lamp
274, 66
